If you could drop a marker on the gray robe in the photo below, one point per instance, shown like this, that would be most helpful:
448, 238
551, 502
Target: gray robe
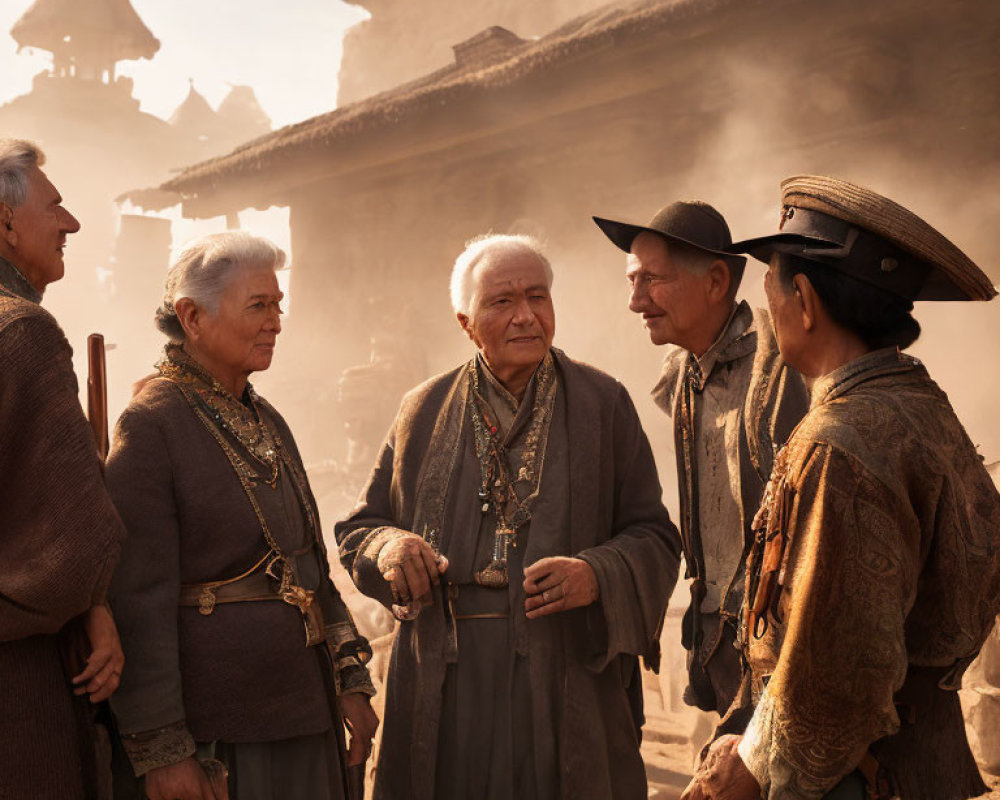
582, 665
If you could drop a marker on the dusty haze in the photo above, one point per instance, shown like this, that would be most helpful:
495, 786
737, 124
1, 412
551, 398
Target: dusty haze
374, 255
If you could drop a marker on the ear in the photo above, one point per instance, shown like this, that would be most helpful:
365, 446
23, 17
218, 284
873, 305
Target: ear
7, 232
807, 301
719, 281
190, 317
466, 323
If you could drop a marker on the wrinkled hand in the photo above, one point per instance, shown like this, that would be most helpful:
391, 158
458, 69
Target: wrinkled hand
185, 780
103, 672
411, 566
362, 722
557, 584
723, 775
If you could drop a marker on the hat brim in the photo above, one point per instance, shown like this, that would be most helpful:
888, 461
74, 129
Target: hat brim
622, 235
937, 285
764, 247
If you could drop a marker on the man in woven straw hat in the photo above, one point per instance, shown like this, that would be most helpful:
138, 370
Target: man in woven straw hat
732, 402
875, 573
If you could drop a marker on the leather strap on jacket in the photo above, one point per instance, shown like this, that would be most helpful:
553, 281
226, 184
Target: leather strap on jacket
254, 584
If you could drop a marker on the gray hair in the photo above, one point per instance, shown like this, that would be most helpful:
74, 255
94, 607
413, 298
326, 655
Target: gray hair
204, 269
697, 261
483, 248
17, 156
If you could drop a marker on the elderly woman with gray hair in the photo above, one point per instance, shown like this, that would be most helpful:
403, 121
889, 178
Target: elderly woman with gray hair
239, 647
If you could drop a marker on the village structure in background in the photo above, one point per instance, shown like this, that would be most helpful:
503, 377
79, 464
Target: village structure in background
458, 119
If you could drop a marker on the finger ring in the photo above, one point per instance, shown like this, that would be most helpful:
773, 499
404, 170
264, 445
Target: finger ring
545, 596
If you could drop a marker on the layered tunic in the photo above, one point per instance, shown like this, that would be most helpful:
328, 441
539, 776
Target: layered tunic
873, 583
731, 409
206, 502
60, 542
544, 708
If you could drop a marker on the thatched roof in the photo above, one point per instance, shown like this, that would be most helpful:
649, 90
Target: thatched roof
601, 30
112, 23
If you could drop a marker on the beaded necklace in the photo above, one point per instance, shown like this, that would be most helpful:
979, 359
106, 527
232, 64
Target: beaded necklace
496, 490
243, 423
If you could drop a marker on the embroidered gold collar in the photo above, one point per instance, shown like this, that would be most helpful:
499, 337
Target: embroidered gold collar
243, 421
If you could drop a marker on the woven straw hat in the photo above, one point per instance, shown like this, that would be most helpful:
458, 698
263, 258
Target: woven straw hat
918, 262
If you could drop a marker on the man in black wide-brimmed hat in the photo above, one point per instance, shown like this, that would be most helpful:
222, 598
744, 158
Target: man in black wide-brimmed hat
875, 572
728, 415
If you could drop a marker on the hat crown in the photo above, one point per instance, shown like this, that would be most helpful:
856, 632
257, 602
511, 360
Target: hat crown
693, 222
689, 222
860, 206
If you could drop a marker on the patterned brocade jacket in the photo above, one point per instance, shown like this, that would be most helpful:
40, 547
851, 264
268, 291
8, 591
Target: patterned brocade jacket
211, 488
873, 582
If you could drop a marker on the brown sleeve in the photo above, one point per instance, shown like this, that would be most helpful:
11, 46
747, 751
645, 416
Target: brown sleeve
146, 587
62, 535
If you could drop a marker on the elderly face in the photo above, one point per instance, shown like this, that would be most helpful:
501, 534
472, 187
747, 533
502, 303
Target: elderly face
38, 230
673, 301
511, 319
239, 338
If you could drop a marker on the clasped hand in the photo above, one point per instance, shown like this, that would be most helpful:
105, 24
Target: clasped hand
411, 567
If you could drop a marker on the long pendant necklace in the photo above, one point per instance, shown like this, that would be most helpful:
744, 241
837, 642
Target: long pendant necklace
497, 490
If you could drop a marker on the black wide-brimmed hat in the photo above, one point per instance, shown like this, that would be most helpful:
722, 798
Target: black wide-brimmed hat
688, 221
859, 233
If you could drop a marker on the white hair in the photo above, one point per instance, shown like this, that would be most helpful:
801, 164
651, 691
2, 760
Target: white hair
484, 248
17, 156
204, 269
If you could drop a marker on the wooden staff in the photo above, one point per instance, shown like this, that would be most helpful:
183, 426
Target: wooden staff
97, 392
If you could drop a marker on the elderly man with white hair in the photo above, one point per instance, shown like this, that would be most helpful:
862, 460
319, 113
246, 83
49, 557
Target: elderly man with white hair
61, 535
513, 523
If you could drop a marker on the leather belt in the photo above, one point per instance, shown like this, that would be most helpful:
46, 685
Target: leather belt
472, 601
255, 587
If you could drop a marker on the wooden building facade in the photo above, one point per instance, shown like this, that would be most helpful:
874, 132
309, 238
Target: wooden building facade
615, 113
